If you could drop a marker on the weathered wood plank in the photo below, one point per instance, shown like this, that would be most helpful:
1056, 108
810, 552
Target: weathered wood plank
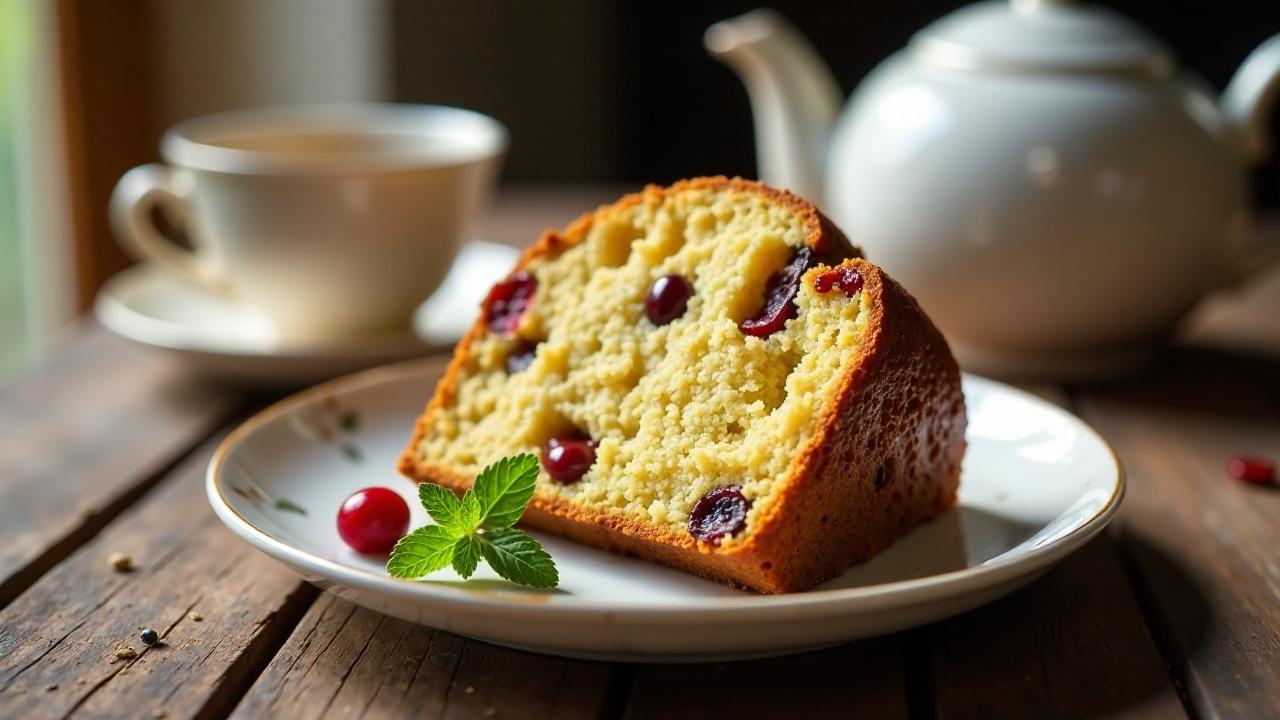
346, 661
1073, 644
1202, 547
83, 436
58, 640
860, 679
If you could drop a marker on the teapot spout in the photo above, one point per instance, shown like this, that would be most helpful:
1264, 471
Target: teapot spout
794, 98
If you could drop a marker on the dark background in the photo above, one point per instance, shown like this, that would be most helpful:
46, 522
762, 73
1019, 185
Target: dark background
625, 92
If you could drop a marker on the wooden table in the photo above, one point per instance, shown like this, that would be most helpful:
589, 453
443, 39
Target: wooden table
1174, 611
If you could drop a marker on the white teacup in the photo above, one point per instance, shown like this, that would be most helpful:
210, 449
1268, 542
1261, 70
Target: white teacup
336, 220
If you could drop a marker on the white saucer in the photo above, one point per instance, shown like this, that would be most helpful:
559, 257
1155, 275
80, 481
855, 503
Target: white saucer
237, 342
1037, 484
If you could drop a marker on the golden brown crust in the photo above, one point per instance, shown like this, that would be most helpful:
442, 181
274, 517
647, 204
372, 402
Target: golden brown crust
898, 408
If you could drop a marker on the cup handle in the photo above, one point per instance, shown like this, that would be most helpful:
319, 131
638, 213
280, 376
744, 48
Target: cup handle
138, 193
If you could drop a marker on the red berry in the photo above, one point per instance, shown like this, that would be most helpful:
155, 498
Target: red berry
718, 514
508, 301
521, 357
373, 519
779, 296
567, 459
668, 298
847, 279
1253, 470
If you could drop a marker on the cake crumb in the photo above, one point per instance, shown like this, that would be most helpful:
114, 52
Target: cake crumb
121, 562
194, 616
470, 690
51, 687
126, 653
490, 711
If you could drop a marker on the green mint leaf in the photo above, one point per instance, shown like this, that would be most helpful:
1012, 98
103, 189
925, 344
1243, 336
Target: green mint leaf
466, 555
478, 525
504, 489
518, 557
422, 552
471, 510
445, 508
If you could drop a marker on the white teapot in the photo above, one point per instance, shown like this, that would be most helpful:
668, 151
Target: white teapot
1042, 177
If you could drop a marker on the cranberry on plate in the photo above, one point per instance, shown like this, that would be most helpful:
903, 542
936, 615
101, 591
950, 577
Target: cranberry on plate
372, 520
720, 513
567, 458
1253, 470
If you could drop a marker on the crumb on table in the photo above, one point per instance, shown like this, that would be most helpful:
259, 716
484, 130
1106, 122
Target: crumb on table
125, 653
121, 562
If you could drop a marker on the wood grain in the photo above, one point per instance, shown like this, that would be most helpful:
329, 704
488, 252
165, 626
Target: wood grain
1202, 548
860, 679
83, 436
58, 639
345, 661
1072, 644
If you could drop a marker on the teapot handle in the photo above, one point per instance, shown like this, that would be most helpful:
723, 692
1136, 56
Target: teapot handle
1247, 104
1250, 96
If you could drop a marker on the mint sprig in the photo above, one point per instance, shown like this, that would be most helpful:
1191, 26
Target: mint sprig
478, 525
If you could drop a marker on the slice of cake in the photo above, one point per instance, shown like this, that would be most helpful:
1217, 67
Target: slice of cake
714, 381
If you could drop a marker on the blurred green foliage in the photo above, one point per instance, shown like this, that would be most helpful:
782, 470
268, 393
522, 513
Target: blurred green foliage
16, 36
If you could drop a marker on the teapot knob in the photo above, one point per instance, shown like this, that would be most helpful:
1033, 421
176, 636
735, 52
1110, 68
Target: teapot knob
1032, 5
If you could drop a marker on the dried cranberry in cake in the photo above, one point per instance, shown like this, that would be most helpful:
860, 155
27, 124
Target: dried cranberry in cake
720, 513
521, 357
780, 295
668, 298
566, 459
508, 301
848, 279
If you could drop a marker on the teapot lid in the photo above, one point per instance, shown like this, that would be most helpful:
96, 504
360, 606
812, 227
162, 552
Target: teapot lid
1041, 35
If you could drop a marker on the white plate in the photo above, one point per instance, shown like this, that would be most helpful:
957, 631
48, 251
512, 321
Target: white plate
1037, 484
220, 337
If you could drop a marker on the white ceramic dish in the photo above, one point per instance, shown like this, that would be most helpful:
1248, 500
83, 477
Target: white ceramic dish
1037, 484
236, 341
